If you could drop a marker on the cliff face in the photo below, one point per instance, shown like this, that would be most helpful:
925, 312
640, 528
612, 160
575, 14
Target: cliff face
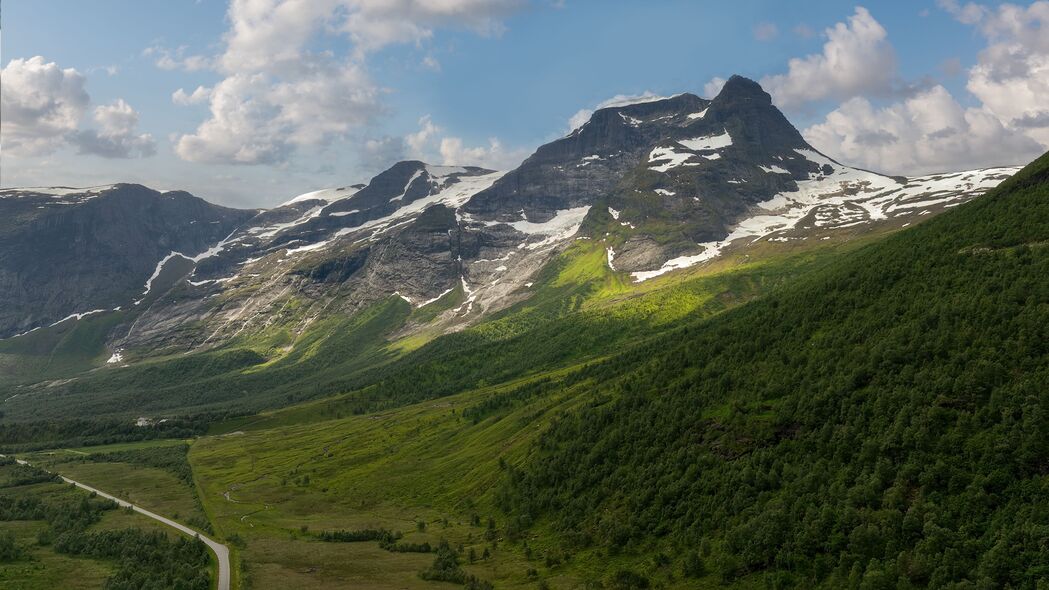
64, 252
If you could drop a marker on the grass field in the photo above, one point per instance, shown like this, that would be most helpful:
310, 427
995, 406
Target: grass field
150, 487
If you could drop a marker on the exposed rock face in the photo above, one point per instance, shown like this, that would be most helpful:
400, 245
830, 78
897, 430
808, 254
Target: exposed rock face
64, 252
661, 185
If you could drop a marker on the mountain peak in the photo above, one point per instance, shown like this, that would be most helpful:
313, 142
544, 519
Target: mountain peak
740, 88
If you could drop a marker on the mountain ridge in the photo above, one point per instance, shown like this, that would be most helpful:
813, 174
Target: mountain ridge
663, 185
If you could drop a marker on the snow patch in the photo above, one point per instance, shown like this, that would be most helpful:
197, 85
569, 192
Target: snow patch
846, 197
309, 247
671, 158
329, 195
564, 225
709, 142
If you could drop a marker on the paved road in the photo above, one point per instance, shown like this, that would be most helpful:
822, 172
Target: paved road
220, 550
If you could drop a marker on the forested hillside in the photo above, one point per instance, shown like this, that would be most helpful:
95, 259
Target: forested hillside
880, 423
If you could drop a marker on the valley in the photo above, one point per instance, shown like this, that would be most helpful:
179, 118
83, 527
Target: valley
676, 348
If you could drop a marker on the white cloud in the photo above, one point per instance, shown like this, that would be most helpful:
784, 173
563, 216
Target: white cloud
766, 31
493, 155
42, 104
260, 119
856, 60
418, 141
115, 136
1011, 76
620, 100
373, 24
969, 14
279, 94
429, 144
167, 59
713, 88
431, 63
929, 132
198, 96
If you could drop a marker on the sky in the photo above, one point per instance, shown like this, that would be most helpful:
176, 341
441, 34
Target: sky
249, 102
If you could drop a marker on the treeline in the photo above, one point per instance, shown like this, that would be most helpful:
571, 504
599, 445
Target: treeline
23, 475
387, 539
361, 535
18, 437
446, 568
172, 458
146, 560
883, 423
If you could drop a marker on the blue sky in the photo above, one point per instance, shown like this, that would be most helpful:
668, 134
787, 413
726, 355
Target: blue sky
488, 81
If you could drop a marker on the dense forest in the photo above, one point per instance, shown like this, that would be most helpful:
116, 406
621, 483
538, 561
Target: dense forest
882, 423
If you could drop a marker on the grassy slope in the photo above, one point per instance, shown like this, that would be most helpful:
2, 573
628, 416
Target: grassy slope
445, 459
881, 422
338, 354
431, 461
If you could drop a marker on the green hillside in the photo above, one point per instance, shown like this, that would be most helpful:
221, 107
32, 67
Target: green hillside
878, 422
869, 414
881, 423
578, 309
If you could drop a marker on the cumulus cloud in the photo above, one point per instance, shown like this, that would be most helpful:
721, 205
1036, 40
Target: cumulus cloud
198, 96
418, 141
431, 144
43, 106
929, 132
1011, 76
856, 60
115, 136
278, 94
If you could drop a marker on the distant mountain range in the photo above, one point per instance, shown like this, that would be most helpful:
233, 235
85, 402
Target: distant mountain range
662, 185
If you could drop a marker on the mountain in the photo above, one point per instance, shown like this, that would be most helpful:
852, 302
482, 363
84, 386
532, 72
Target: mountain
879, 421
676, 348
656, 186
875, 421
67, 252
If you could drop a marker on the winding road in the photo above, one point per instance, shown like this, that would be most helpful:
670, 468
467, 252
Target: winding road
221, 551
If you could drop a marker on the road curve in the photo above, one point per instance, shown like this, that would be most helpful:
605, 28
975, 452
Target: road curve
221, 551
